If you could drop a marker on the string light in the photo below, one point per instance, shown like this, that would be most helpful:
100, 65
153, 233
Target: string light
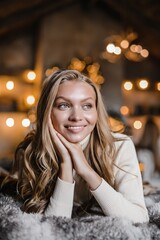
86, 66
31, 75
110, 48
144, 53
140, 84
158, 86
117, 51
32, 116
122, 44
25, 122
143, 84
10, 122
137, 124
30, 100
124, 110
77, 64
49, 71
128, 85
10, 85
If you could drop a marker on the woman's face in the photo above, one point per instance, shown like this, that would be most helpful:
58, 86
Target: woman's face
74, 113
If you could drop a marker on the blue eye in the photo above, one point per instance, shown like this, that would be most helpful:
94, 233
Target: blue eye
63, 106
87, 107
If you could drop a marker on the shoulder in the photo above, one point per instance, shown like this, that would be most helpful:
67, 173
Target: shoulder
126, 157
121, 140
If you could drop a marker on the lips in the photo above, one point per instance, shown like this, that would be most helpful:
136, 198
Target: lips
75, 128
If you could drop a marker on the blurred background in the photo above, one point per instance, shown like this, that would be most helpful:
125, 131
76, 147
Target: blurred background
116, 43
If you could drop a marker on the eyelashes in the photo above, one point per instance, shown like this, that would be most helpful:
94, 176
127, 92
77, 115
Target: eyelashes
87, 107
66, 106
63, 106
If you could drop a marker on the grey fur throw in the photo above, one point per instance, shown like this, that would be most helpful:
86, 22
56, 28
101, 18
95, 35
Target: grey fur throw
16, 225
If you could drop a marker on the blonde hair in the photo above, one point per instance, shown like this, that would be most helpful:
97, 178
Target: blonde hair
36, 160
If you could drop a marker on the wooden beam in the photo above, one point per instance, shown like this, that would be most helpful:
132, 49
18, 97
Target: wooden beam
20, 19
10, 7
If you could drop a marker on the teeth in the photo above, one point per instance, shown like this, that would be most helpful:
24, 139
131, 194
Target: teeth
76, 127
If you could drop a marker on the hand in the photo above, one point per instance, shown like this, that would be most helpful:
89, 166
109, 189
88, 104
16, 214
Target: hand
76, 153
66, 167
73, 153
61, 149
80, 163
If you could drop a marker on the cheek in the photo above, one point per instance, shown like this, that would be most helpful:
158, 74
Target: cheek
58, 118
92, 117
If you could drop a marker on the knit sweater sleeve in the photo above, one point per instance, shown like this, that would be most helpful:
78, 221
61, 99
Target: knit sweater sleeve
61, 202
126, 199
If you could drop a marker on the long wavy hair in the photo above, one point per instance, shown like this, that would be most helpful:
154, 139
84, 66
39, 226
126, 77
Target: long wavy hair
36, 160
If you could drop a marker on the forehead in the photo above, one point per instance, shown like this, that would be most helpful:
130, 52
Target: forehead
75, 88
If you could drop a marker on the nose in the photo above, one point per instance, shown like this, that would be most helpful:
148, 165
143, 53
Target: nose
76, 114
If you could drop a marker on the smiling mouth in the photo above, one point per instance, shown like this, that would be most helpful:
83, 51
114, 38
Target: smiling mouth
75, 127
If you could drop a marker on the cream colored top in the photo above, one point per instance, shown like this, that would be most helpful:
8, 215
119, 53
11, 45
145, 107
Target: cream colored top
126, 199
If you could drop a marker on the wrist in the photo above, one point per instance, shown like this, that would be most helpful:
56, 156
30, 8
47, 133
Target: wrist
92, 178
66, 172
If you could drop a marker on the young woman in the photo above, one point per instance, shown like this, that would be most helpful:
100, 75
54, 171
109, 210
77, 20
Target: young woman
72, 155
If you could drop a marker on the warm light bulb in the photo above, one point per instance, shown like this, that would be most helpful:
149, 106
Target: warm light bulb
143, 84
110, 48
133, 48
25, 122
158, 86
128, 85
144, 53
30, 99
10, 85
32, 116
124, 110
124, 44
137, 124
10, 122
31, 75
117, 50
138, 48
50, 71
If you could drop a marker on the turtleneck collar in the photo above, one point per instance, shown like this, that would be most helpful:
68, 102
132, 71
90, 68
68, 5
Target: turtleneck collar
84, 142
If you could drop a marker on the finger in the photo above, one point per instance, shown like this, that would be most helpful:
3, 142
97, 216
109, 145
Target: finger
77, 156
52, 131
61, 148
64, 140
72, 147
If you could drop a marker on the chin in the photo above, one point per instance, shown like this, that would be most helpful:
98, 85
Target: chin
75, 140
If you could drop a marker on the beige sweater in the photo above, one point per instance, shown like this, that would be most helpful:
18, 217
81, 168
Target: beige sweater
124, 200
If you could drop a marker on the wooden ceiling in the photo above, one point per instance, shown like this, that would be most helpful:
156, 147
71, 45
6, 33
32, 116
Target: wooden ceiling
19, 16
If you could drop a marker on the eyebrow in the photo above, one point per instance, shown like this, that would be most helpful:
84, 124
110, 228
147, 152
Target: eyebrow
66, 99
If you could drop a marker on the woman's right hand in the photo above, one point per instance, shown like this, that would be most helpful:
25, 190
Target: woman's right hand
66, 166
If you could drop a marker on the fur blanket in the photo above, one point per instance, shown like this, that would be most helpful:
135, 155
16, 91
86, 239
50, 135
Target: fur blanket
16, 225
